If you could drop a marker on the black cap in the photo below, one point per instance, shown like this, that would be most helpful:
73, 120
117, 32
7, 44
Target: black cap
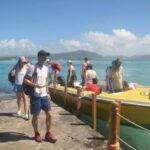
85, 58
43, 53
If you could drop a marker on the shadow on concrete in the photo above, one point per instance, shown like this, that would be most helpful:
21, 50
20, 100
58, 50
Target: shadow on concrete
11, 115
13, 136
78, 124
8, 114
96, 138
96, 143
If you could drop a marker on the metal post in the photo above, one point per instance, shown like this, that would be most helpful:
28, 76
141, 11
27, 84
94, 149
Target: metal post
94, 110
113, 142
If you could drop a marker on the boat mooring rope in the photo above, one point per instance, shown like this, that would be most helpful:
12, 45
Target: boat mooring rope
134, 123
126, 143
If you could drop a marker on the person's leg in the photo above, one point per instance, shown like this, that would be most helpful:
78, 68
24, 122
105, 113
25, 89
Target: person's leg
48, 121
19, 96
49, 136
35, 122
37, 137
35, 111
26, 104
47, 107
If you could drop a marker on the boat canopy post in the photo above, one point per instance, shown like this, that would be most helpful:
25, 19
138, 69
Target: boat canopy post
113, 142
94, 110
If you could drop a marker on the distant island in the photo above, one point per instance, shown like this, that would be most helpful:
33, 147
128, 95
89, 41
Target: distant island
80, 54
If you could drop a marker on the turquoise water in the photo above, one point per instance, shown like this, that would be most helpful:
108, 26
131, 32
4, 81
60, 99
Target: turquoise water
134, 71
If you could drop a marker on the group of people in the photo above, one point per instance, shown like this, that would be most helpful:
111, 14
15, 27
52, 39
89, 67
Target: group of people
88, 75
37, 77
114, 78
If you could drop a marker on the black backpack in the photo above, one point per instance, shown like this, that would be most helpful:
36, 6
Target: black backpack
61, 80
28, 89
11, 78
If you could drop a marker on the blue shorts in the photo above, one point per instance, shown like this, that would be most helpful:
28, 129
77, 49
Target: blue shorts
18, 88
38, 103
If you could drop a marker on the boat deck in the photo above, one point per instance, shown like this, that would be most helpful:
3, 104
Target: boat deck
139, 95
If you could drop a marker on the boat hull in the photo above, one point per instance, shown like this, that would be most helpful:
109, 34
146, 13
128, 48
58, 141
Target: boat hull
137, 113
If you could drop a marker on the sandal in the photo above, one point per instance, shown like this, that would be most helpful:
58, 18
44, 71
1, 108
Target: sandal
50, 137
37, 137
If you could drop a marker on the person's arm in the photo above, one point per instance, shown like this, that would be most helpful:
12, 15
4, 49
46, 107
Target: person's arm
47, 83
47, 90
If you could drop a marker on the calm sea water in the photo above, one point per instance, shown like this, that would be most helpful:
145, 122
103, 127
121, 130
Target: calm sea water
134, 71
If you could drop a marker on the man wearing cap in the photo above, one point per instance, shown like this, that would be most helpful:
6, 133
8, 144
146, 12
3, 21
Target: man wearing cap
40, 100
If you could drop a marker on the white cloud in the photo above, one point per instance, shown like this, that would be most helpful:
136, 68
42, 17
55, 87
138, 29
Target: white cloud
124, 34
120, 42
17, 47
70, 43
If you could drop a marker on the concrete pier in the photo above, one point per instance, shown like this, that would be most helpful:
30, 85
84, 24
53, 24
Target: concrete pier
72, 133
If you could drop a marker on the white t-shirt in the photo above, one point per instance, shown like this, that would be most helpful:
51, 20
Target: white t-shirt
20, 75
90, 74
42, 77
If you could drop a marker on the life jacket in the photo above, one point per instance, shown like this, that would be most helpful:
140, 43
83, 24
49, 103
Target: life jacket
93, 87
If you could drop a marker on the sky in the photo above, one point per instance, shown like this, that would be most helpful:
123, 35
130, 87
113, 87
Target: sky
108, 27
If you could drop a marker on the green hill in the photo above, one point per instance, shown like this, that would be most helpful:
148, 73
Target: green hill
81, 54
77, 55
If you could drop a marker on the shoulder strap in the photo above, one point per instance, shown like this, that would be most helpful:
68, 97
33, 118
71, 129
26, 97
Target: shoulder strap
34, 73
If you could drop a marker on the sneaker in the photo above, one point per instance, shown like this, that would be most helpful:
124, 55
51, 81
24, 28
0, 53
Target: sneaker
26, 117
19, 113
38, 137
50, 137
